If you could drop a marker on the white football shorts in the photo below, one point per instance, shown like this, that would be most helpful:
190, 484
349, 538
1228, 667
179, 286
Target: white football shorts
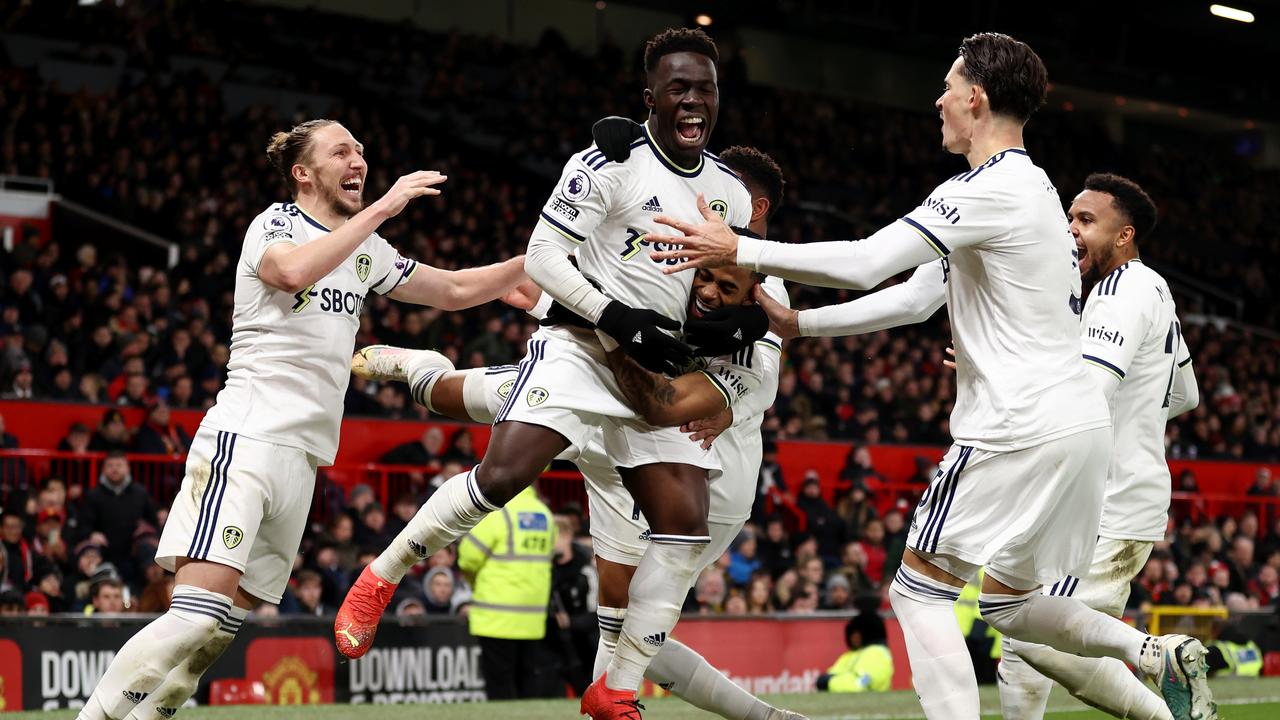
1030, 517
243, 503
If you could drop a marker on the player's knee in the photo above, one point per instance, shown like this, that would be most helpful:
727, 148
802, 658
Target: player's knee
1003, 615
501, 481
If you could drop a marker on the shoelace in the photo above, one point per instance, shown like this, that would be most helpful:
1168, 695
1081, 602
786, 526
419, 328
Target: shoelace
634, 708
366, 608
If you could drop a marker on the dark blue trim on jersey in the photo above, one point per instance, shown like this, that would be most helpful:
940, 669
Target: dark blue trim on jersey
937, 244
733, 174
728, 398
1184, 363
1112, 281
592, 156
501, 369
563, 228
771, 343
1105, 364
990, 163
657, 152
222, 493
313, 221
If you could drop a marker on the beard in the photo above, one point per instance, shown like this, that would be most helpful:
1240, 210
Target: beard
340, 205
1102, 259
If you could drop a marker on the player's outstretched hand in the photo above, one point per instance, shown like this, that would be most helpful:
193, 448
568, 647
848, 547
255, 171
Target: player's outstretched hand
726, 330
524, 295
614, 135
783, 321
706, 430
710, 244
639, 333
414, 185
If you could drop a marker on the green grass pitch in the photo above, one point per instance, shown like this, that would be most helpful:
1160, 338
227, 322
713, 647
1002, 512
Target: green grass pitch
1239, 699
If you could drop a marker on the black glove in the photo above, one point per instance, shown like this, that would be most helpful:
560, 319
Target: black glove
614, 135
558, 314
727, 330
638, 333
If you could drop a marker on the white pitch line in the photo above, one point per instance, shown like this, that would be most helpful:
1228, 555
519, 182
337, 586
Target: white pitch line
883, 716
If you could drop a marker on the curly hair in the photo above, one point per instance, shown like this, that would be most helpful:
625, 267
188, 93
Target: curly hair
1129, 198
674, 40
756, 167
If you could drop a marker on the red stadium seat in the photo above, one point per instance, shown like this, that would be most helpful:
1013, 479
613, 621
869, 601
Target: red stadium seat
1271, 664
238, 691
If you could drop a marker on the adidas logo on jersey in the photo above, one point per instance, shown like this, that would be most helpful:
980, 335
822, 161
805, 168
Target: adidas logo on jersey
652, 205
656, 639
137, 697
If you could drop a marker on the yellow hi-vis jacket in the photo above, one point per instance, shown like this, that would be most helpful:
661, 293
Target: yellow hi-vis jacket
509, 555
867, 669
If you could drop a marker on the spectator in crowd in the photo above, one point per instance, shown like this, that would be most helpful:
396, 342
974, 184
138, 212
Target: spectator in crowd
709, 592
421, 452
371, 531
776, 554
438, 587
106, 596
872, 544
760, 596
112, 434
820, 520
1262, 485
868, 665
308, 595
573, 632
743, 558
159, 434
461, 449
116, 507
771, 482
856, 508
19, 563
838, 595
12, 603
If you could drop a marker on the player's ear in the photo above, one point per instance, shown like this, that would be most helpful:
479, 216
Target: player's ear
1126, 236
300, 173
648, 99
759, 208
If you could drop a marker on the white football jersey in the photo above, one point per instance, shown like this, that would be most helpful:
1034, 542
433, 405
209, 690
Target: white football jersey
1013, 297
1131, 330
607, 209
291, 352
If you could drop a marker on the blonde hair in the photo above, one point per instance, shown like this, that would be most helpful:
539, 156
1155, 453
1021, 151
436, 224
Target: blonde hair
286, 149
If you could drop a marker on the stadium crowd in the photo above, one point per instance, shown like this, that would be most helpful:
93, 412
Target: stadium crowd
86, 322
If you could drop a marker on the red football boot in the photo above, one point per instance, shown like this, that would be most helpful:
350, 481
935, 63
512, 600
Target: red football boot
361, 611
601, 702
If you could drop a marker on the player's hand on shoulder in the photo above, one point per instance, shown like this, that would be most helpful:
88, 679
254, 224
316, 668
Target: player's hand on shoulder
614, 135
783, 321
524, 296
726, 330
639, 333
408, 187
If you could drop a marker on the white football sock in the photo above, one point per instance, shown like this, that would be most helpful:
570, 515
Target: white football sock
1066, 624
451, 511
481, 402
610, 621
194, 616
690, 677
422, 373
657, 592
941, 669
181, 682
1024, 692
1104, 683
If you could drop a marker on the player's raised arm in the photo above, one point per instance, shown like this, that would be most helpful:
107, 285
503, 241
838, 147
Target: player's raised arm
291, 267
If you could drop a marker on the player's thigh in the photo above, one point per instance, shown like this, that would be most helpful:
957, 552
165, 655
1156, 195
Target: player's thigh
1059, 529
619, 531
561, 386
1104, 586
220, 503
291, 485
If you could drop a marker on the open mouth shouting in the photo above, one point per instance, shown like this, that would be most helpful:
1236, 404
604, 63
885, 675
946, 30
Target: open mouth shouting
698, 309
352, 187
691, 129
